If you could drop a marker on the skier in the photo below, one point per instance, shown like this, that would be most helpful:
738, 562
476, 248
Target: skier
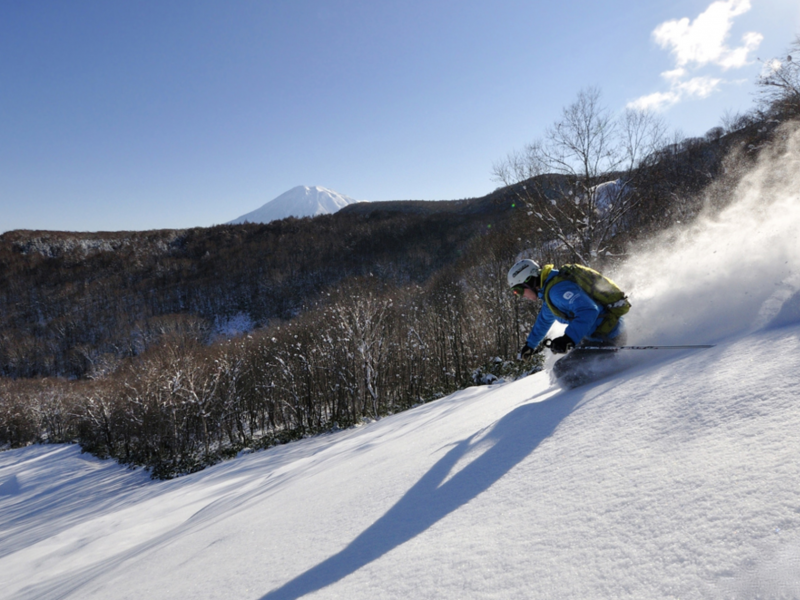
589, 304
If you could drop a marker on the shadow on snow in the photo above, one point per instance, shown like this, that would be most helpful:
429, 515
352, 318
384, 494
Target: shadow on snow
432, 498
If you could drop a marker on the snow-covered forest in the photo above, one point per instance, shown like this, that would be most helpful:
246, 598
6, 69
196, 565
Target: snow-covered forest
176, 349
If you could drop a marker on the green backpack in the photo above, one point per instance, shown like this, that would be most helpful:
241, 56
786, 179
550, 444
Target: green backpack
601, 289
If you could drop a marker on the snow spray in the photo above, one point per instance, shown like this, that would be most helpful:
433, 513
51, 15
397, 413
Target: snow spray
731, 271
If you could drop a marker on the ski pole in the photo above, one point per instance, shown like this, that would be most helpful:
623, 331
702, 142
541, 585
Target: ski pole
547, 343
618, 348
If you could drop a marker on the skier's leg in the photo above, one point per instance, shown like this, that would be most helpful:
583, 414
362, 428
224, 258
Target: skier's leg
568, 370
580, 366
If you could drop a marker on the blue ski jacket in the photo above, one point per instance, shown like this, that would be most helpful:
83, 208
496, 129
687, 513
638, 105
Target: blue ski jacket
583, 314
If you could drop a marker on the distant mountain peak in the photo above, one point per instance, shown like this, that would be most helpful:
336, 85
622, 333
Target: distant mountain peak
300, 201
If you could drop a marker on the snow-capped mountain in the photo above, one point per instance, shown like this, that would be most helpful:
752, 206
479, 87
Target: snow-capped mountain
301, 201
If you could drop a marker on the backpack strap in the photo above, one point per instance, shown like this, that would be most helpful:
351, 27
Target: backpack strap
546, 294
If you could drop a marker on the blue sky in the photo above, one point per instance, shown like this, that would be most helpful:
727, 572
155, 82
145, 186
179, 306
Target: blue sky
169, 114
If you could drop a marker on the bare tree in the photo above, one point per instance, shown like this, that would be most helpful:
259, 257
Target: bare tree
362, 322
734, 121
578, 181
780, 82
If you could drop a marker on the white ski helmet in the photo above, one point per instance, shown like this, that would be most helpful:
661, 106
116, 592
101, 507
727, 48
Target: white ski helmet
521, 272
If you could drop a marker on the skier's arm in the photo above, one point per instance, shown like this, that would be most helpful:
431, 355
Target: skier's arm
544, 321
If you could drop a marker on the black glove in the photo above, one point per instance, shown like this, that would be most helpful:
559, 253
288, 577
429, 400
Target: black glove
561, 345
525, 352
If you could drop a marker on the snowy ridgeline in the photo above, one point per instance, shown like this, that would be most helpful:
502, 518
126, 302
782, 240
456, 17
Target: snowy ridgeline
57, 244
675, 478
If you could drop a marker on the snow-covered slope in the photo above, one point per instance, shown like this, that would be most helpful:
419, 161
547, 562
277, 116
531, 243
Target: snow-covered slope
674, 478
301, 201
